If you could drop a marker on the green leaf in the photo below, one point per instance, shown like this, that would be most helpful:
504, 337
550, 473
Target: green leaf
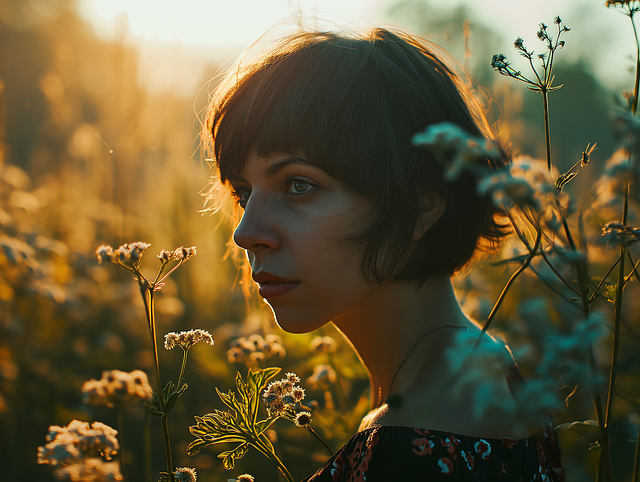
152, 410
229, 458
175, 394
567, 426
197, 445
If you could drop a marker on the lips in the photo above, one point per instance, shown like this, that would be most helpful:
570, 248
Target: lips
272, 285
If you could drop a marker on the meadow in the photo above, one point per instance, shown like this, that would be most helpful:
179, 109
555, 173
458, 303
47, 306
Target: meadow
91, 155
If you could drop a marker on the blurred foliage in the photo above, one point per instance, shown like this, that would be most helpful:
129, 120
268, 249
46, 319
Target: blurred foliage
89, 156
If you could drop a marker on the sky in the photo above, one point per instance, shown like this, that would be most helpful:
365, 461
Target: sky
223, 28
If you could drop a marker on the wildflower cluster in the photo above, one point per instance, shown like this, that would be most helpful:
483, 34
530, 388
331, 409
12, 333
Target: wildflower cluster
128, 255
542, 83
78, 441
178, 254
187, 339
255, 349
117, 388
281, 396
615, 234
629, 7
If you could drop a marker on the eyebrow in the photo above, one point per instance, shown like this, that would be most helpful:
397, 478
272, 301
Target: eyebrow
275, 167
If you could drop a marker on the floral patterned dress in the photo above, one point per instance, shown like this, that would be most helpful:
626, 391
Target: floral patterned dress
386, 454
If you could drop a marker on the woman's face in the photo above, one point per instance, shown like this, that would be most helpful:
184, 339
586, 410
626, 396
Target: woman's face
296, 218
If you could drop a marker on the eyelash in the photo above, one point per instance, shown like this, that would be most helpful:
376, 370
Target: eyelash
287, 182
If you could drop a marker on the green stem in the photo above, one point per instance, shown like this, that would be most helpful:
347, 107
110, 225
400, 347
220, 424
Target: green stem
274, 458
167, 446
547, 135
320, 439
122, 446
184, 364
518, 272
636, 87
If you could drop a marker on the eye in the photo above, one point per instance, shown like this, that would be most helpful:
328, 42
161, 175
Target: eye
298, 187
241, 195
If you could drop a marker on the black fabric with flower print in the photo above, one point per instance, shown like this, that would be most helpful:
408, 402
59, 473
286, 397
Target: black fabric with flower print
384, 454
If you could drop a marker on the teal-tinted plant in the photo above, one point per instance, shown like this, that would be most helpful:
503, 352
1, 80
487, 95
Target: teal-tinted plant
540, 223
240, 424
129, 256
542, 80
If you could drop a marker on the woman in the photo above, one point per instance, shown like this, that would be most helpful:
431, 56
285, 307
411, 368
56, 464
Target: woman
345, 221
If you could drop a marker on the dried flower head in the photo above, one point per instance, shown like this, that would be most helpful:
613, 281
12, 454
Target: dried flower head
78, 440
127, 255
185, 474
302, 419
629, 6
282, 395
117, 388
245, 478
104, 253
186, 339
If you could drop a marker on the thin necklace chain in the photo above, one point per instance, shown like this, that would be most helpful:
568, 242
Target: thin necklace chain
415, 343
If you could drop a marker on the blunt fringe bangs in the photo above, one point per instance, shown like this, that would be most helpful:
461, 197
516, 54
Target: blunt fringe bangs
350, 104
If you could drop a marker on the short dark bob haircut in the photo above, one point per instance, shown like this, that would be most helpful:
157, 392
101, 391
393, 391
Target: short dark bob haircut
350, 104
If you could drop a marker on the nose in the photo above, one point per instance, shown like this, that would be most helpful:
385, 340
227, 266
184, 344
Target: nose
257, 228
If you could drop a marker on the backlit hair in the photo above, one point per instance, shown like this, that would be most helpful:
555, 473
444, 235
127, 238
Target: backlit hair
350, 104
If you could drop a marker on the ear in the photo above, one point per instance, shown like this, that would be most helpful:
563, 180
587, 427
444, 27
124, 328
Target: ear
431, 208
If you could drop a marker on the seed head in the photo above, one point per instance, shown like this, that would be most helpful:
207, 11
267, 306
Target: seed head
302, 419
245, 478
185, 474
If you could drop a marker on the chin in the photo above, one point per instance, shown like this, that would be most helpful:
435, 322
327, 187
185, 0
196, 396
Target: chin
291, 323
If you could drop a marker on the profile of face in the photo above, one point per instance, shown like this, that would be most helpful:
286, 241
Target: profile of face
295, 220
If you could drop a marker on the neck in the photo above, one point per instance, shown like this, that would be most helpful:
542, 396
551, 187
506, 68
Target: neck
383, 328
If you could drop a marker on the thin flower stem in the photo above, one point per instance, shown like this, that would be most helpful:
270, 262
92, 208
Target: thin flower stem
122, 446
558, 275
595, 291
547, 135
636, 87
320, 439
184, 364
149, 304
634, 270
518, 272
167, 445
267, 452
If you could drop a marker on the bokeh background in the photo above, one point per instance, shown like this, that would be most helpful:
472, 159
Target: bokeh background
100, 108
